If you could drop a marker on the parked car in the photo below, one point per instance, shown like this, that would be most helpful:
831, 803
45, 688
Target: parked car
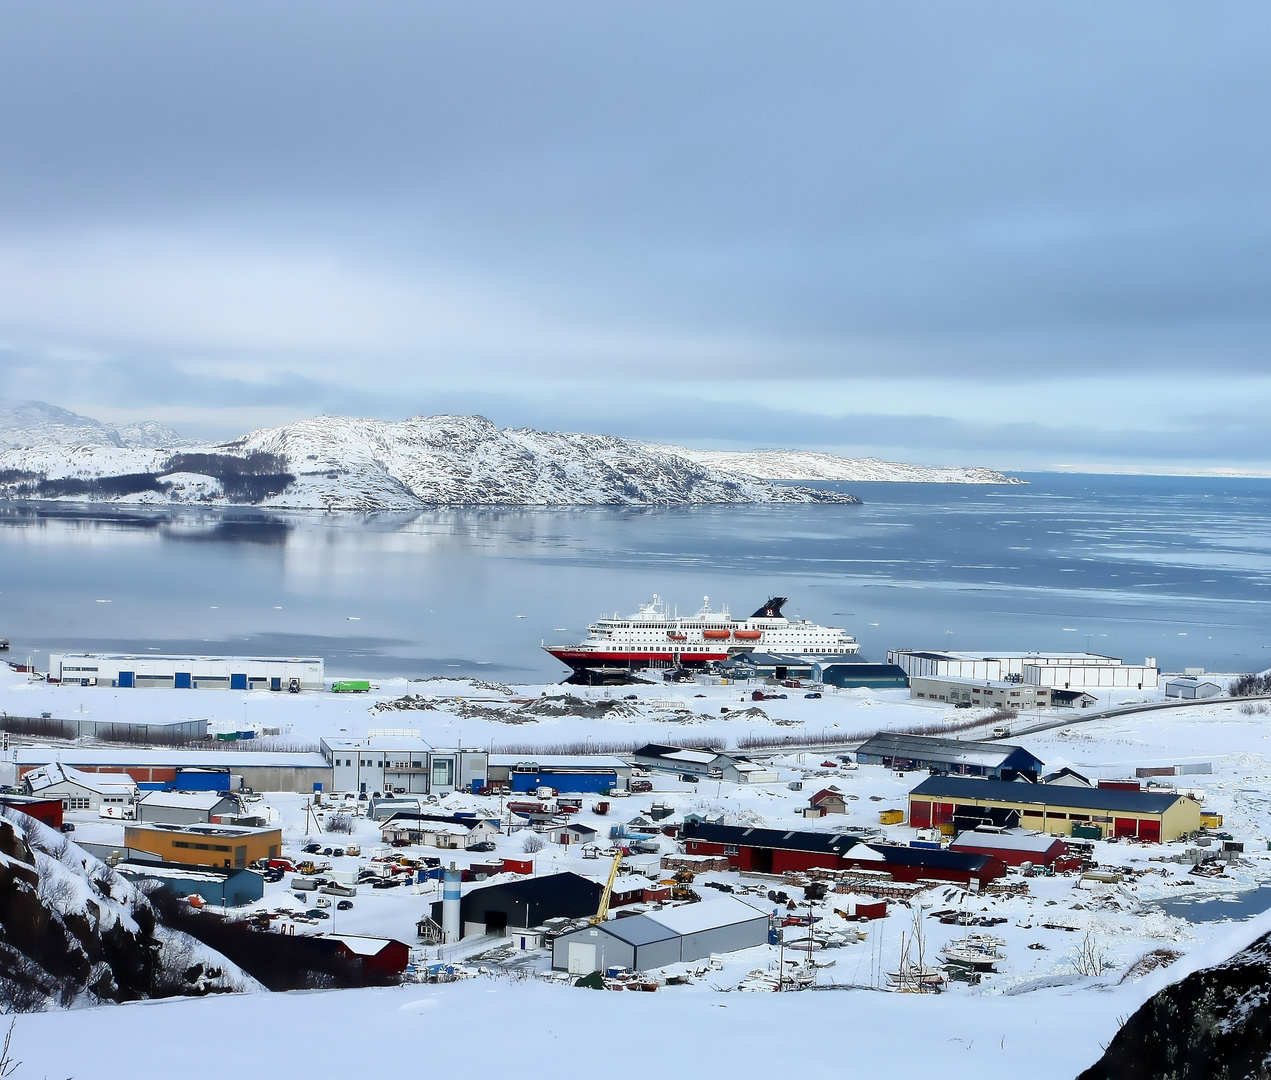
316, 913
338, 852
312, 849
68, 826
688, 778
272, 876
328, 851
483, 845
814, 694
344, 905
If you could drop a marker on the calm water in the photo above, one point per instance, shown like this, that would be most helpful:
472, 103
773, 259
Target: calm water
1236, 907
1136, 566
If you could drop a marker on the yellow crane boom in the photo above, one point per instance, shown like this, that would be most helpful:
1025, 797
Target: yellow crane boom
603, 912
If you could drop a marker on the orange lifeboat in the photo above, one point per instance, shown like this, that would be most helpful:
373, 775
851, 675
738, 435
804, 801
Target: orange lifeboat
747, 635
717, 635
676, 637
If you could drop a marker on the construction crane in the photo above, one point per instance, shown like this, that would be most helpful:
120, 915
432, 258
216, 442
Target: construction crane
603, 912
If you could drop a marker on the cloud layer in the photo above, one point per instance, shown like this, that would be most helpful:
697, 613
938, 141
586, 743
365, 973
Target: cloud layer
1014, 235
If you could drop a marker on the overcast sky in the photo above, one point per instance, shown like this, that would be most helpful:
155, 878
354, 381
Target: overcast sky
1011, 234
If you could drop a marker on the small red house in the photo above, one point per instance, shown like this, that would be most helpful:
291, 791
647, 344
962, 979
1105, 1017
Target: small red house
385, 955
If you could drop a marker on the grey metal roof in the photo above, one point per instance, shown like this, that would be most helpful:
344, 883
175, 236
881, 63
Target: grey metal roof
638, 930
993, 755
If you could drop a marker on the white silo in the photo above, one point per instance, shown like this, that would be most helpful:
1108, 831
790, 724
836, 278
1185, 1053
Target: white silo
450, 904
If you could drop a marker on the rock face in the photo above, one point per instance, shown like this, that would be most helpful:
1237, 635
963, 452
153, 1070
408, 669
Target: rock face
336, 463
74, 931
1215, 1024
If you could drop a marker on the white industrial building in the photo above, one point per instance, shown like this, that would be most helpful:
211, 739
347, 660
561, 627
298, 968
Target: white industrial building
1192, 687
1060, 670
186, 807
402, 765
79, 790
985, 692
673, 935
187, 672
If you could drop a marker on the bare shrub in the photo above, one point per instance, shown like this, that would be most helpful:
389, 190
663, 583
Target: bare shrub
340, 823
532, 843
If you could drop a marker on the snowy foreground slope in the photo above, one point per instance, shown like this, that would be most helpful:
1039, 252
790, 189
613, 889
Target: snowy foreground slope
810, 465
1053, 1034
337, 463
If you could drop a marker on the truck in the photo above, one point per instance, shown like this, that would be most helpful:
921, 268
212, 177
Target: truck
351, 686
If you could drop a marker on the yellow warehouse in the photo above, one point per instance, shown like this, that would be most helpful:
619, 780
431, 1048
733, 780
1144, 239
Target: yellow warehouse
234, 846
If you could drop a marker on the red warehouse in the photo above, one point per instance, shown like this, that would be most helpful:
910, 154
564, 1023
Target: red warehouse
1016, 846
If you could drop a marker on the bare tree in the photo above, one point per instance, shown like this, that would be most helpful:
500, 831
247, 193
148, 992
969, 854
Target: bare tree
532, 843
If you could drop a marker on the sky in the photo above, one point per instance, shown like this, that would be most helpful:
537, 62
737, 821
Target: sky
1018, 235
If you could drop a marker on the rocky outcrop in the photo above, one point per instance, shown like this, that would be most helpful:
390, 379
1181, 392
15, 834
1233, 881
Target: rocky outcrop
72, 930
1214, 1024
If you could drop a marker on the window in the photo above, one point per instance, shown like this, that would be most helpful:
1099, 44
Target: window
731, 849
443, 772
379, 765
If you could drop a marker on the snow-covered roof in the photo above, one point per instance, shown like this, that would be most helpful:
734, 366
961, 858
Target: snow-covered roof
630, 883
359, 945
556, 761
56, 773
193, 656
179, 759
1006, 841
706, 915
184, 800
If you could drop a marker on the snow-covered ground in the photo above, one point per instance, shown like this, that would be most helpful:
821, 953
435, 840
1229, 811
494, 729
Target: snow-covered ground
1036, 1007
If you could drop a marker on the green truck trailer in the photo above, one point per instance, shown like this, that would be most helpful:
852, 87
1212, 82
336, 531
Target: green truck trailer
350, 686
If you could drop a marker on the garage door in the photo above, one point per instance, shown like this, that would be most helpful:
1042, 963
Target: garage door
1150, 830
582, 958
1125, 827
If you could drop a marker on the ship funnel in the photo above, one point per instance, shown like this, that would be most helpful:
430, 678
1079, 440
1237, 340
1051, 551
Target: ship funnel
450, 879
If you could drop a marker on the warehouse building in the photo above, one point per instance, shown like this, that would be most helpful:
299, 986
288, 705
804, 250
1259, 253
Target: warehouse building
493, 909
233, 846
998, 667
776, 851
1001, 761
565, 774
962, 803
172, 732
403, 765
703, 762
225, 888
1015, 846
439, 830
677, 935
1192, 687
986, 693
189, 769
185, 807
187, 672
851, 675
387, 956
758, 665
80, 791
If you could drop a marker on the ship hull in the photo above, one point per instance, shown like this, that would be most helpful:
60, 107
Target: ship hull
630, 660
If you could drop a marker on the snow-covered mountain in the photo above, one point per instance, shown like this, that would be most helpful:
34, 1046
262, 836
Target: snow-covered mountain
810, 465
337, 463
35, 423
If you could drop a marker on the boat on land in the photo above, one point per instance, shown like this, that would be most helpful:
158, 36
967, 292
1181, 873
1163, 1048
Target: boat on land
657, 637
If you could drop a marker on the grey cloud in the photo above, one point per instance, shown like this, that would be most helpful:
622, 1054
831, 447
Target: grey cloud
784, 191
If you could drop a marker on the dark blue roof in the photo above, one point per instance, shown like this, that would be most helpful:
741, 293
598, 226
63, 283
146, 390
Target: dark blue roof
780, 839
966, 788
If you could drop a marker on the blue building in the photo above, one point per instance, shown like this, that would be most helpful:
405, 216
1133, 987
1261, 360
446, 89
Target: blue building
565, 774
224, 888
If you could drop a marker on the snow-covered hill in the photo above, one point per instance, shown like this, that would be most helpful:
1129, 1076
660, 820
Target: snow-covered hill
810, 465
73, 931
35, 423
337, 463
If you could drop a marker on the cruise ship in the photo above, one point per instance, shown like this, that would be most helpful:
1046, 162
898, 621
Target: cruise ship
654, 637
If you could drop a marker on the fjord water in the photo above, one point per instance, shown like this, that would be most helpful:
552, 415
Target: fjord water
1175, 568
